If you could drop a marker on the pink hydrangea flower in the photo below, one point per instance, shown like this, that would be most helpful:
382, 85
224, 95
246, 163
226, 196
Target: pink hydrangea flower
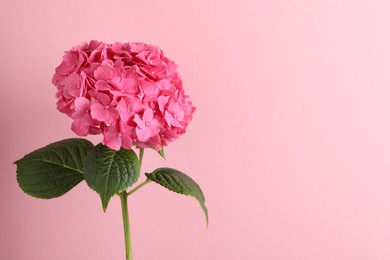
129, 92
147, 126
118, 135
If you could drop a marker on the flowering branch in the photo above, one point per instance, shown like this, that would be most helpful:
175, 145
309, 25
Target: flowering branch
131, 94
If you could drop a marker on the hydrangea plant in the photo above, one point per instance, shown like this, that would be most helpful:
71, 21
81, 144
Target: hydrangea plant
132, 95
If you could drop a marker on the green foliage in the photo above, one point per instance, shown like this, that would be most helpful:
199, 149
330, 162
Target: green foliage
53, 170
179, 182
161, 153
109, 172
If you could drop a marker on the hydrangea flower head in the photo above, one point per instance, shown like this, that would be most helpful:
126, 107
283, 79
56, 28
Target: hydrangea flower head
129, 92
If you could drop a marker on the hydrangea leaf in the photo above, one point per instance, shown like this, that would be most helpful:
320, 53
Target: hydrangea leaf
53, 170
179, 182
161, 153
109, 171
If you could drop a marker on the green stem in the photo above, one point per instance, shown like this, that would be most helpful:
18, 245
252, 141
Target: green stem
141, 156
125, 210
126, 225
138, 187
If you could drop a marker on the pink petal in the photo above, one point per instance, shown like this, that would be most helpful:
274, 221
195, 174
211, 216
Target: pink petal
155, 141
113, 115
177, 111
68, 63
65, 106
117, 47
162, 102
104, 72
168, 118
135, 104
124, 113
137, 47
94, 130
154, 58
80, 128
176, 123
73, 85
143, 134
103, 98
180, 115
114, 143
150, 89
164, 84
125, 129
171, 120
130, 85
154, 129
148, 115
174, 108
127, 142
143, 55
78, 114
119, 65
139, 121
112, 138
122, 105
101, 85
89, 120
99, 112
81, 103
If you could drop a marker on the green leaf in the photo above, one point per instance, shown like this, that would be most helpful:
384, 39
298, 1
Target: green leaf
53, 170
177, 181
109, 172
161, 152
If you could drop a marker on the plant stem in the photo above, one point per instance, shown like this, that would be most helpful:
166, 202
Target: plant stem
138, 187
125, 210
141, 156
126, 225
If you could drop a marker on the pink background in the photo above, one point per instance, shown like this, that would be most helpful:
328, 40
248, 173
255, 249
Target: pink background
290, 142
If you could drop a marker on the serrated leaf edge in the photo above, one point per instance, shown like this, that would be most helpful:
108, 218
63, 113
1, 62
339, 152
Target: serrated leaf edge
201, 202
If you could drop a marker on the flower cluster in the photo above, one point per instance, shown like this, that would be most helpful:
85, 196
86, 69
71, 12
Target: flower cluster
129, 92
